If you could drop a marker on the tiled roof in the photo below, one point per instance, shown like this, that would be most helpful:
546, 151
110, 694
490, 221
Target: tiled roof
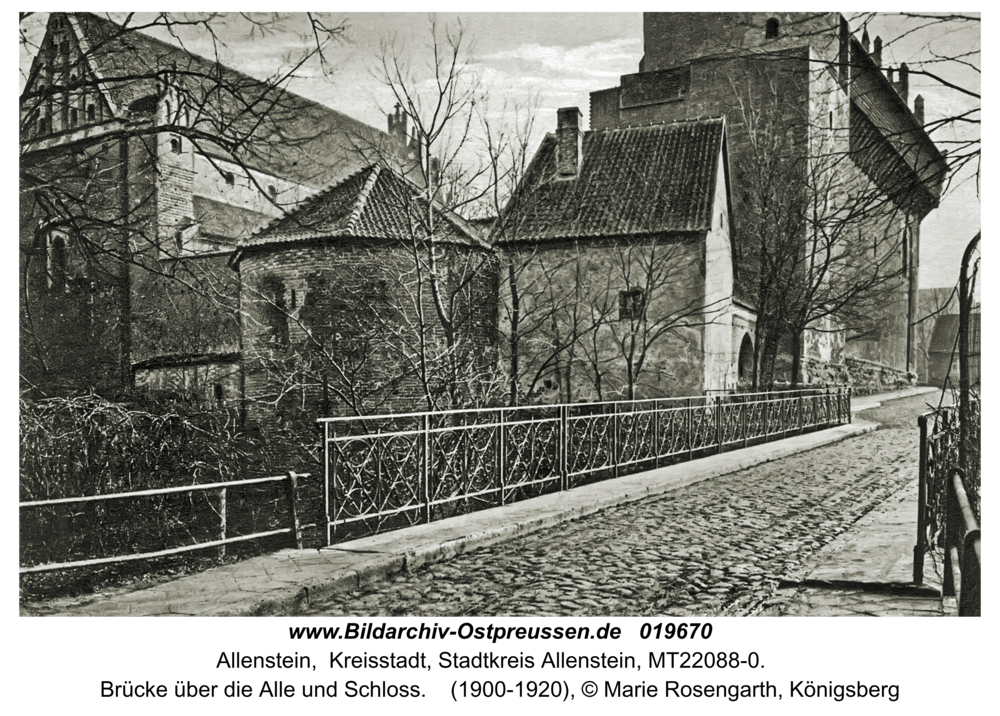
945, 336
637, 180
226, 221
373, 203
293, 137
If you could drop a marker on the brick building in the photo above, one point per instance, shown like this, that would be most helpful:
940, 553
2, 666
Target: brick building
621, 273
842, 126
366, 299
142, 166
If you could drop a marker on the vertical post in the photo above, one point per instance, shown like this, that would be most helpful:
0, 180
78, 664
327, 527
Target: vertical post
326, 481
763, 417
656, 433
952, 535
802, 400
743, 420
718, 422
426, 470
502, 455
293, 512
964, 378
563, 447
615, 448
689, 422
918, 548
850, 415
222, 522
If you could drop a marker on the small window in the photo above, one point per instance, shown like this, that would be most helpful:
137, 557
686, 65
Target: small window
272, 192
217, 392
175, 145
73, 117
230, 179
771, 28
91, 113
631, 304
56, 261
295, 299
831, 120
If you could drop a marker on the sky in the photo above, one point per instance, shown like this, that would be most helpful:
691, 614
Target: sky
552, 60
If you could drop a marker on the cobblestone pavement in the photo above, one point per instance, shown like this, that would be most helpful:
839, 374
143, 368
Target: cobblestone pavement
714, 548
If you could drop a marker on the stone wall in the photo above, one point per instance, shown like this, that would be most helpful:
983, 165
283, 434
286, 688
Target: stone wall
349, 328
575, 341
864, 377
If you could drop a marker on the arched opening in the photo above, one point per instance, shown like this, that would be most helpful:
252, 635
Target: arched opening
771, 28
744, 366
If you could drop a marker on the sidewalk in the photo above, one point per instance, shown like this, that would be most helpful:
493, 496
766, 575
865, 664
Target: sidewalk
279, 583
868, 570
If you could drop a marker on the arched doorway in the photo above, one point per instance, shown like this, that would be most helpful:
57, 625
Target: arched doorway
744, 368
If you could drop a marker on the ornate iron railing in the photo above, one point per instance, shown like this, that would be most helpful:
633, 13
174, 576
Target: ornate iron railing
389, 471
949, 513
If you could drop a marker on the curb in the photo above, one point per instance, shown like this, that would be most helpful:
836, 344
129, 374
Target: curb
408, 560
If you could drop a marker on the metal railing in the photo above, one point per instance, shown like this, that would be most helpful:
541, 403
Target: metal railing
390, 471
948, 512
962, 549
178, 523
938, 452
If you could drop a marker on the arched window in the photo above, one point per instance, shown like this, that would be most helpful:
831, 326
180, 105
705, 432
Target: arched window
175, 145
744, 368
91, 113
771, 28
272, 192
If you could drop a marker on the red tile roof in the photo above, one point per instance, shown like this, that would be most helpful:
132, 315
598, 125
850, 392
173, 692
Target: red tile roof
373, 203
632, 181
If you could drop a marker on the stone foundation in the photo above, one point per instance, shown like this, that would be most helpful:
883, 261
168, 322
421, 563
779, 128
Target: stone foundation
865, 377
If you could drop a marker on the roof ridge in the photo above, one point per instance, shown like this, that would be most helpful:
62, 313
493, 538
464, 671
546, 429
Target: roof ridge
175, 48
309, 201
362, 201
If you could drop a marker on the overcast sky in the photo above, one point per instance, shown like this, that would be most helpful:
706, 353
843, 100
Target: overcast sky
558, 59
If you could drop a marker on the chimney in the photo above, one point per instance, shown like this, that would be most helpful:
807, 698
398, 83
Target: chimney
890, 74
397, 124
918, 108
877, 51
569, 143
903, 85
864, 40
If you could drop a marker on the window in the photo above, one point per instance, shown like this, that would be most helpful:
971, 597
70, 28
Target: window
56, 261
217, 391
73, 117
771, 28
294, 299
631, 304
91, 113
272, 192
175, 145
230, 179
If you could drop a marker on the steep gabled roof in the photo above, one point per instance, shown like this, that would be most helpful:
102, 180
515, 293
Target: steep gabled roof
289, 136
632, 181
373, 203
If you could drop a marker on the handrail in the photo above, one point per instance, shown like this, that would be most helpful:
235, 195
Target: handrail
294, 527
426, 465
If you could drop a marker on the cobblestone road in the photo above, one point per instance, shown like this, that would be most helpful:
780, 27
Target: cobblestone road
717, 547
